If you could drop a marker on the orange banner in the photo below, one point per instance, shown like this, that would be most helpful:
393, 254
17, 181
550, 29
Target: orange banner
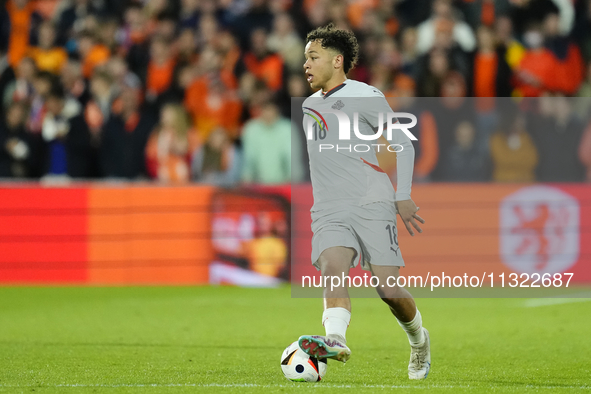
149, 235
123, 234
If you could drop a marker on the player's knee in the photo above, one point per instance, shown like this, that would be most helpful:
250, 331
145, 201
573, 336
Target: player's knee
336, 261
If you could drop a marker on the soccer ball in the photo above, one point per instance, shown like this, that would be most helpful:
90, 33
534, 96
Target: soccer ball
297, 366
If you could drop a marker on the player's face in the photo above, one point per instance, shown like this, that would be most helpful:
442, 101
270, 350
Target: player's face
319, 67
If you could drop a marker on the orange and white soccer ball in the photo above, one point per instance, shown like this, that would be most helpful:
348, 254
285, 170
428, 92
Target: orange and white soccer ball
297, 366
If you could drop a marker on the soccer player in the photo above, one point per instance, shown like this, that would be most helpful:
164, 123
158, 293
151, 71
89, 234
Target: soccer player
355, 205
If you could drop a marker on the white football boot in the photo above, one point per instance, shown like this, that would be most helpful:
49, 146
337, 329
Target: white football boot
420, 359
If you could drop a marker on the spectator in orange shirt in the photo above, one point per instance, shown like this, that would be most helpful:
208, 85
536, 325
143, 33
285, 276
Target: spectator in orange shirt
534, 73
92, 53
160, 69
47, 55
171, 145
18, 25
263, 64
568, 70
541, 69
492, 74
211, 98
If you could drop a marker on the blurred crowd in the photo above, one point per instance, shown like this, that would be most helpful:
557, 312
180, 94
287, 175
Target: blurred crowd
199, 90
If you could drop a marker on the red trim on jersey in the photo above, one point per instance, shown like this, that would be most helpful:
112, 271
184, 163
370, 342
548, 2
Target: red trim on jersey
318, 113
377, 168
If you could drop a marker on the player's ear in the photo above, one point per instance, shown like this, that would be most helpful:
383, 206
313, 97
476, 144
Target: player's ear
337, 61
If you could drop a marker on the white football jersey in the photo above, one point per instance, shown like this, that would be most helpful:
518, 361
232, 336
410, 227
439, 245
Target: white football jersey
346, 172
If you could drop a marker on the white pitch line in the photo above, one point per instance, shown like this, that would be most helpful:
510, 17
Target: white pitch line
295, 385
537, 302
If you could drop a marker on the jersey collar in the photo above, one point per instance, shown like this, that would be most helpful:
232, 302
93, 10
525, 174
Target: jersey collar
332, 91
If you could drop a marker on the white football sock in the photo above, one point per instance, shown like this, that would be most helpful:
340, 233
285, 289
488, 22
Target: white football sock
414, 330
335, 322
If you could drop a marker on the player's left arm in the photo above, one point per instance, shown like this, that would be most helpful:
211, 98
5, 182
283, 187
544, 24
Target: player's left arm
405, 158
406, 207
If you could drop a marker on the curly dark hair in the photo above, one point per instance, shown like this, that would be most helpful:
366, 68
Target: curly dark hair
342, 41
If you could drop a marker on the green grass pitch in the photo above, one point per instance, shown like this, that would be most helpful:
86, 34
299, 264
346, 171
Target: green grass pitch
226, 339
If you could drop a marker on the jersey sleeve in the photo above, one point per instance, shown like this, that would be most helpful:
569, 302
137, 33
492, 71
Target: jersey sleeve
405, 160
372, 106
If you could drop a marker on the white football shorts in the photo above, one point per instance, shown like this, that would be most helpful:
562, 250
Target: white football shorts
369, 229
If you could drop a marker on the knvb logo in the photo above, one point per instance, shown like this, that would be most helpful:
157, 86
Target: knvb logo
317, 127
540, 230
338, 105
